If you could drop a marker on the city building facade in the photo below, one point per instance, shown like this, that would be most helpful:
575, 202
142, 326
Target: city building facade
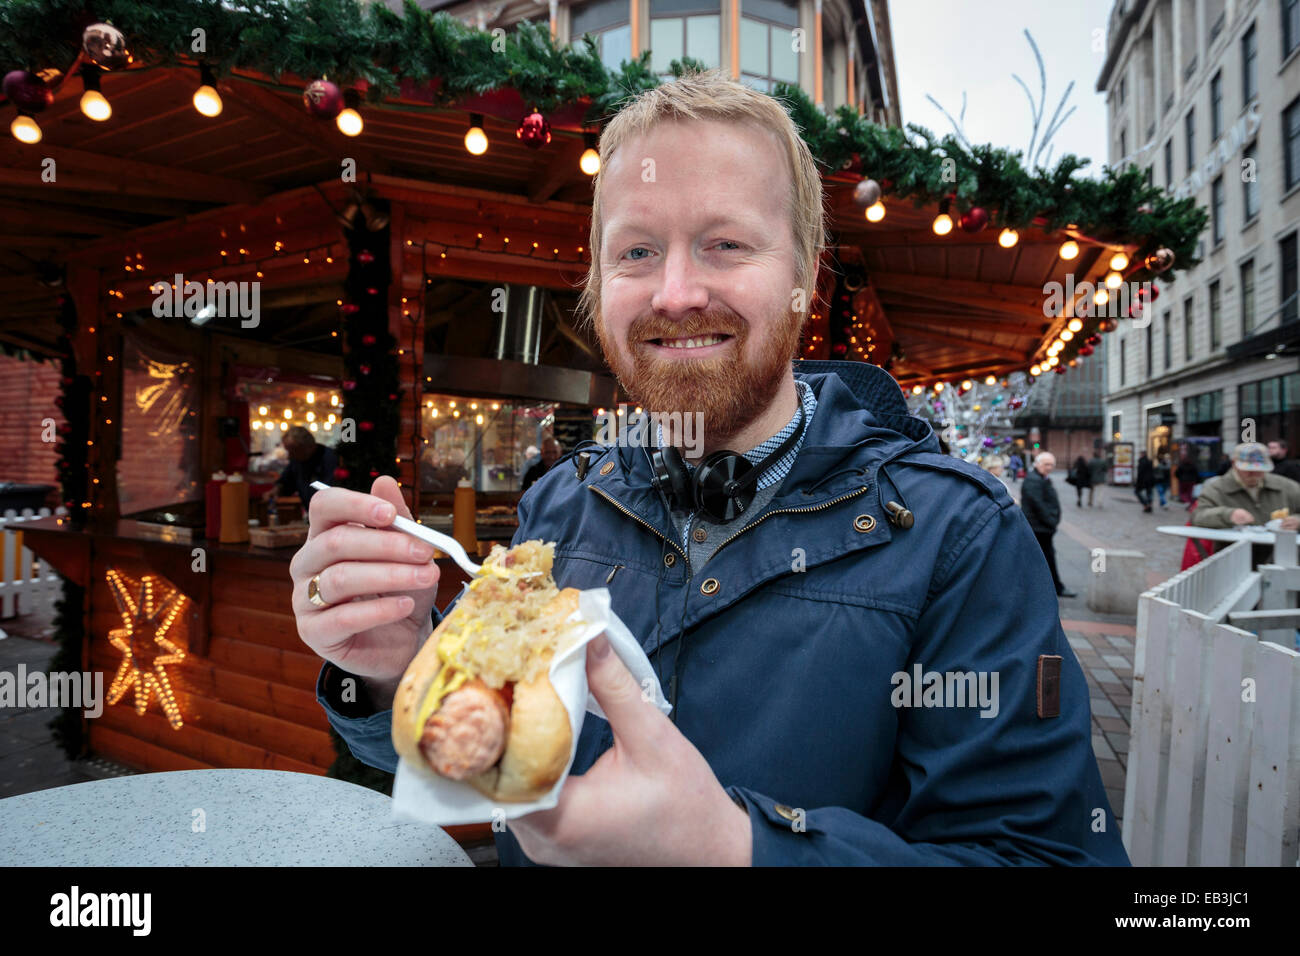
1205, 96
838, 51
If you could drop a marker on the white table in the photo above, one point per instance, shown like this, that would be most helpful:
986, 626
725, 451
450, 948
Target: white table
248, 818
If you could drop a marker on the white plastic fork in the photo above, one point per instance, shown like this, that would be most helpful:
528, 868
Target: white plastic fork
443, 542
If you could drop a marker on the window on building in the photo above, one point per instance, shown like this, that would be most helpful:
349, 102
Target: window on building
1187, 329
1249, 58
1287, 249
1215, 305
1250, 182
1189, 135
1291, 141
767, 43
1247, 297
1122, 85
1169, 163
607, 21
1115, 421
1216, 106
1290, 26
1169, 337
1149, 351
1123, 361
1151, 175
1216, 210
1123, 143
684, 28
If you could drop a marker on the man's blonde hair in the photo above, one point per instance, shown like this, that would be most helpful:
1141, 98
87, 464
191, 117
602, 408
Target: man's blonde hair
710, 96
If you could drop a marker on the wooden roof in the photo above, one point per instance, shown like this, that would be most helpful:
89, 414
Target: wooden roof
158, 185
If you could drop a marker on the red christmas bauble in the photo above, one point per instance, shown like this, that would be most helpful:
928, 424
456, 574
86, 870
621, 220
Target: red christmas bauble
349, 385
1158, 261
27, 91
106, 46
364, 369
323, 99
534, 131
839, 348
366, 426
372, 291
373, 473
1059, 370
367, 339
1107, 325
1093, 339
974, 220
392, 397
340, 473
1016, 402
350, 308
365, 256
1085, 349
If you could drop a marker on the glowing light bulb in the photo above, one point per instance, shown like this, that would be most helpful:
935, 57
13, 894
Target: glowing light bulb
1074, 325
1008, 238
25, 130
1034, 370
476, 142
876, 212
989, 380
942, 224
1069, 249
311, 399
261, 410
917, 390
311, 417
1102, 297
1119, 262
207, 101
589, 163
349, 122
288, 413
95, 106
1113, 280
478, 419
966, 384
938, 386
1066, 335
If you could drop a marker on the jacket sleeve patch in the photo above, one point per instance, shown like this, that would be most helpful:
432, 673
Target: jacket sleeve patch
1049, 685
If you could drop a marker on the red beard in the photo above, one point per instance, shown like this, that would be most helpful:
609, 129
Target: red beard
730, 393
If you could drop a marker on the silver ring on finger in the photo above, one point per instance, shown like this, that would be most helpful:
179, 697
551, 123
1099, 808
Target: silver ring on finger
313, 592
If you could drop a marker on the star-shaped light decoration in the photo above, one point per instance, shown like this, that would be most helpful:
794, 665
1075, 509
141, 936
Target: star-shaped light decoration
148, 607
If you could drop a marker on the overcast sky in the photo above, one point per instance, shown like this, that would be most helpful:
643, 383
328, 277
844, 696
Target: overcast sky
942, 47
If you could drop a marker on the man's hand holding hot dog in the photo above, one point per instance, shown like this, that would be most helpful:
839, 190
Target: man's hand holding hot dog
650, 800
379, 586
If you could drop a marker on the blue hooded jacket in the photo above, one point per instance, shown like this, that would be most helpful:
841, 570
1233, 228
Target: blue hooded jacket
804, 647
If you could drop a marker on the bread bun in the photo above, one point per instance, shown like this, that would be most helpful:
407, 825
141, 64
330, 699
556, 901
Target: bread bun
1281, 513
517, 628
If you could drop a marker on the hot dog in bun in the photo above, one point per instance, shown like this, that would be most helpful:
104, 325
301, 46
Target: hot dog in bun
476, 704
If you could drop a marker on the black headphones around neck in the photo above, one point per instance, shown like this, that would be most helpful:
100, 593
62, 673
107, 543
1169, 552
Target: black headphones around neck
722, 486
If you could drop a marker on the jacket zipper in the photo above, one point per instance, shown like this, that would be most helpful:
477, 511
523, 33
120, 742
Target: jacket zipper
781, 511
647, 525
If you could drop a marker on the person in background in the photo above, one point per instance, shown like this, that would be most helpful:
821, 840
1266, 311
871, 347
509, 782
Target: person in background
1248, 494
1283, 465
308, 462
1222, 467
1144, 481
1097, 467
1081, 478
1042, 508
1161, 472
1188, 475
550, 453
1014, 466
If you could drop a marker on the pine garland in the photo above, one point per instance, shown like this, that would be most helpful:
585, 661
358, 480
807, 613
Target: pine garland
353, 42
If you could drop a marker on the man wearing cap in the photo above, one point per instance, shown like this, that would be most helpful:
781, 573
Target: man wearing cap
1247, 494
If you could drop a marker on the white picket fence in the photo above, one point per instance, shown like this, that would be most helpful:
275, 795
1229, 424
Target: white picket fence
27, 584
1213, 773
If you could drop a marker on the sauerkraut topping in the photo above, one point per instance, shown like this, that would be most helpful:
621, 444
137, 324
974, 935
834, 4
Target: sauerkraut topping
500, 630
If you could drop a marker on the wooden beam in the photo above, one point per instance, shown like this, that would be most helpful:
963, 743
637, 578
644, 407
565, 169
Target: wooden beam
82, 169
964, 323
47, 219
994, 296
560, 171
323, 138
978, 347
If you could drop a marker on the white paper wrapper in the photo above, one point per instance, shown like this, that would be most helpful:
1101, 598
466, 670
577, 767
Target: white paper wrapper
422, 796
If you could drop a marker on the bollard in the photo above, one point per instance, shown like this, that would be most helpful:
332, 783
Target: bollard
1115, 586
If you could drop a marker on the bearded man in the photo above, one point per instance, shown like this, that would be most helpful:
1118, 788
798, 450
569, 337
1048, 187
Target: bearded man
864, 666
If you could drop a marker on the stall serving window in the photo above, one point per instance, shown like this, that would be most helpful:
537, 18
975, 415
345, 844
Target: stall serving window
159, 463
490, 442
269, 403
